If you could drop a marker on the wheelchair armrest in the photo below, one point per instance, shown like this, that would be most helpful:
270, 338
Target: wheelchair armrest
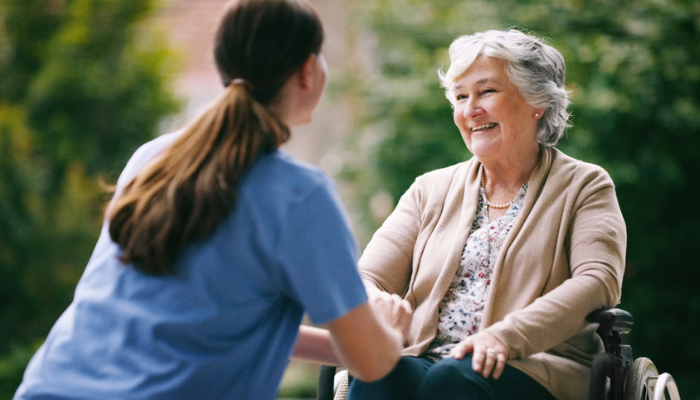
325, 382
616, 319
610, 370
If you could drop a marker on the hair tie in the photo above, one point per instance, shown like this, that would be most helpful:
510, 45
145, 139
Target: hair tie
242, 82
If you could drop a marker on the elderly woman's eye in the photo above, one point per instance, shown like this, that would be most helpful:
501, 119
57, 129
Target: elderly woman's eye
461, 97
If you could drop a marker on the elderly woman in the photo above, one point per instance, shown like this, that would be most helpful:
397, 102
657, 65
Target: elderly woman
502, 256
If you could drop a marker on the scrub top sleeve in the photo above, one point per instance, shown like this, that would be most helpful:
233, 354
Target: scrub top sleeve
318, 254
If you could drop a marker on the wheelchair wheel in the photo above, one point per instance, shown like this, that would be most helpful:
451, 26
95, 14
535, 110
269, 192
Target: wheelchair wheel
637, 385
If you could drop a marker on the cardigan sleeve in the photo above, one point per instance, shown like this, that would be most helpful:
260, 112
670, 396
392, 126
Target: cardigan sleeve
594, 252
386, 262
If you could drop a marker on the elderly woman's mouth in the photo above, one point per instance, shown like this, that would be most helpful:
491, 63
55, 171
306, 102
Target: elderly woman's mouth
484, 127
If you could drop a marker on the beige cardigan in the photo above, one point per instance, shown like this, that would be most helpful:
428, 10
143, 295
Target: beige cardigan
563, 258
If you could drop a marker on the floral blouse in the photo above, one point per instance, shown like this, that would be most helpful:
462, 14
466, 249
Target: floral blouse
461, 310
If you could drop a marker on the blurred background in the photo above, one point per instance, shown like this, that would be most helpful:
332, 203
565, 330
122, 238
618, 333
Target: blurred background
84, 82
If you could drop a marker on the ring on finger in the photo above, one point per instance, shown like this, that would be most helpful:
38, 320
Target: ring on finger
491, 351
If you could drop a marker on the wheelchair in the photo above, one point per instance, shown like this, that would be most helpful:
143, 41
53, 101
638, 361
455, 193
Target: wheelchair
615, 374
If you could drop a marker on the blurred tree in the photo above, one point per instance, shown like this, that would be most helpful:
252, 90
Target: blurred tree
84, 82
634, 69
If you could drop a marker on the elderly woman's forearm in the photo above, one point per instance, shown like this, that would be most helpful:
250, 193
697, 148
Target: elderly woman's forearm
551, 319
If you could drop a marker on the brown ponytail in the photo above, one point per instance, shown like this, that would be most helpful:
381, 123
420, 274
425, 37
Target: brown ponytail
183, 195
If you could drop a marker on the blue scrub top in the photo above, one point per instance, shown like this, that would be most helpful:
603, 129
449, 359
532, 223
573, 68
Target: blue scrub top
224, 325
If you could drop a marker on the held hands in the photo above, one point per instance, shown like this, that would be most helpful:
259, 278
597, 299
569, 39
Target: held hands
489, 355
370, 337
393, 310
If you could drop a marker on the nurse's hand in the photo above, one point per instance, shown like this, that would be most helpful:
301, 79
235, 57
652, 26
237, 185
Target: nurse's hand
393, 310
489, 355
369, 338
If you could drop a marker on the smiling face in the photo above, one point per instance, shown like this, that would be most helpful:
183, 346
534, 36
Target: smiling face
495, 122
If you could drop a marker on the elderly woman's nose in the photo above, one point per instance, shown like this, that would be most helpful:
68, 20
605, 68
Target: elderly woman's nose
472, 108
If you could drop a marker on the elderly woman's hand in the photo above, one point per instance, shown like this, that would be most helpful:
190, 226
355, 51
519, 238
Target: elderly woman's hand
489, 355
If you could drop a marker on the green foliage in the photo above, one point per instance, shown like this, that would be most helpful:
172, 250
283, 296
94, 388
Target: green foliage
300, 381
12, 365
634, 69
84, 83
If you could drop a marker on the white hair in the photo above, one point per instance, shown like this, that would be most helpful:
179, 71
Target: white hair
535, 68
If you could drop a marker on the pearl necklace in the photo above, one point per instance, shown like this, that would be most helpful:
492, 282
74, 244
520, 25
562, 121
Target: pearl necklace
492, 205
